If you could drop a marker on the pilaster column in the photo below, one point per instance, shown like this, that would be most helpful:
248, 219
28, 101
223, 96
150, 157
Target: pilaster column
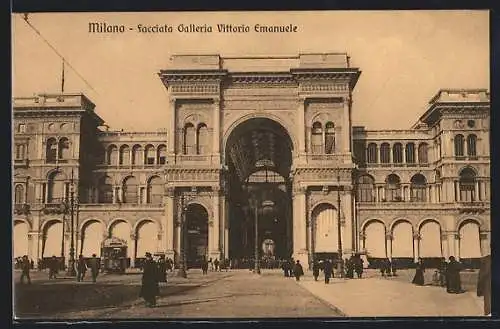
226, 229
299, 225
133, 252
416, 246
216, 130
476, 191
457, 191
301, 125
214, 226
445, 245
388, 245
347, 223
485, 243
346, 138
171, 127
456, 244
168, 223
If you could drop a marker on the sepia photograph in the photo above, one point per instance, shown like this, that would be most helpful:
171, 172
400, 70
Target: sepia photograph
244, 165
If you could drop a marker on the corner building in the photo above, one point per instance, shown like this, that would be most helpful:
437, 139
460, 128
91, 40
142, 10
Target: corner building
248, 140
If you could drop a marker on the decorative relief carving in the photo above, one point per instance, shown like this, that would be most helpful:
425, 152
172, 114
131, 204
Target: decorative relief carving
195, 88
323, 87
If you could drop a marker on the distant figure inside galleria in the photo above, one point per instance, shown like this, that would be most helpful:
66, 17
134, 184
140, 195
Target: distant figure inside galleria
256, 152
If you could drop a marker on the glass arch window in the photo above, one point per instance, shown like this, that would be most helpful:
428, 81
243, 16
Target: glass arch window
317, 138
329, 138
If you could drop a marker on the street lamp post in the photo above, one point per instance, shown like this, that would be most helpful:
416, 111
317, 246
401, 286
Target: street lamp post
182, 253
340, 263
71, 263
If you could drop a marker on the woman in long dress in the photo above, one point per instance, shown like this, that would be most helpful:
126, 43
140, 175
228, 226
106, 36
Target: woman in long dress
149, 288
419, 274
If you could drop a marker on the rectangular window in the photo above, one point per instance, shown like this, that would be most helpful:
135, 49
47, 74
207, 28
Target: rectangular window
21, 128
20, 152
162, 160
150, 161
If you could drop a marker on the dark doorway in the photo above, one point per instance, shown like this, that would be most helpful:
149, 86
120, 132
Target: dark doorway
259, 158
196, 235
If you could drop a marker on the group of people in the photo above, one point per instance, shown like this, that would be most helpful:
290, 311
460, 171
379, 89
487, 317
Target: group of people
214, 265
153, 273
447, 275
82, 265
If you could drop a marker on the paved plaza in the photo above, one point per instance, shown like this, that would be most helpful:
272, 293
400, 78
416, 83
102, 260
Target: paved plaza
241, 294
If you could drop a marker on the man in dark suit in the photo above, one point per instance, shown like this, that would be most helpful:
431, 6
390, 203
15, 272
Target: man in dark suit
484, 283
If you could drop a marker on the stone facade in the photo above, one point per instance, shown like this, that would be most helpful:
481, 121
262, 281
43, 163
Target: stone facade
396, 193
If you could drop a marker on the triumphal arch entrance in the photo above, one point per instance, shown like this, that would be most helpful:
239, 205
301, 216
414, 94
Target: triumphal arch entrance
259, 150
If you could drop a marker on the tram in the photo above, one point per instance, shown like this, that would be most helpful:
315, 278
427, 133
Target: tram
114, 255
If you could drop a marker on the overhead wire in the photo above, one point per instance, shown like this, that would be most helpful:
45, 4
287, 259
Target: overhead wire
65, 61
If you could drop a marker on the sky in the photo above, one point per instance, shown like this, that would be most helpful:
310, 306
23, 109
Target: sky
405, 57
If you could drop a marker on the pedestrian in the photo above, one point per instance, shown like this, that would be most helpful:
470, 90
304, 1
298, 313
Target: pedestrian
94, 265
453, 284
327, 270
418, 279
162, 269
32, 264
81, 268
204, 266
149, 287
25, 267
53, 267
298, 271
358, 267
315, 269
484, 283
216, 265
284, 267
211, 264
227, 264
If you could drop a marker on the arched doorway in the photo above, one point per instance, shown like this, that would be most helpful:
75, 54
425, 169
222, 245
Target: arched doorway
147, 237
430, 249
121, 229
92, 236
325, 235
20, 238
258, 154
52, 239
374, 239
469, 243
196, 235
402, 243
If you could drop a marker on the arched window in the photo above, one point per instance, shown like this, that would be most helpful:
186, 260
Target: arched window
410, 153
112, 155
130, 190
125, 155
137, 155
329, 138
385, 153
467, 184
423, 153
105, 190
397, 153
202, 139
56, 187
162, 154
155, 190
317, 138
366, 189
393, 188
418, 188
149, 155
459, 145
189, 139
64, 149
51, 150
372, 153
19, 194
471, 145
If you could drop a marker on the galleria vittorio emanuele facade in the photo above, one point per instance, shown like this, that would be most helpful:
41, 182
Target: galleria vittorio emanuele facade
254, 140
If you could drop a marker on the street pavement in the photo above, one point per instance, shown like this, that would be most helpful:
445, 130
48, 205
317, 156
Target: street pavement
376, 296
233, 294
